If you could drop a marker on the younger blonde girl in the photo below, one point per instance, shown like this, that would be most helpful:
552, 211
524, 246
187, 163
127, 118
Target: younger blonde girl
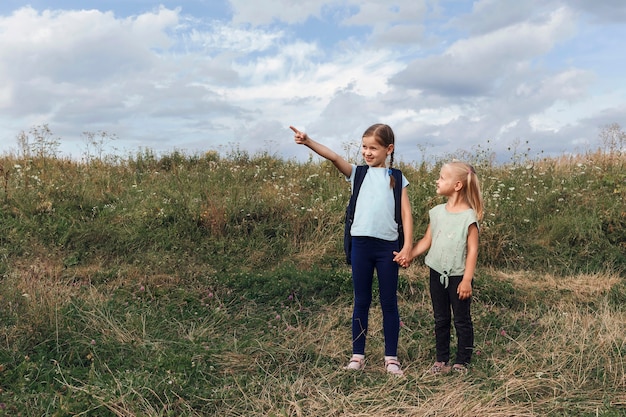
452, 243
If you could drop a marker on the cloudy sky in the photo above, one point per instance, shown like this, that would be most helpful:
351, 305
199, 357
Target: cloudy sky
199, 75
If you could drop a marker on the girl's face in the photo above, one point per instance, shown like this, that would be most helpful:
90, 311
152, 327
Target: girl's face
374, 153
447, 184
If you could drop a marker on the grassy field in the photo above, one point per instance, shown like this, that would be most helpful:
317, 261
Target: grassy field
179, 285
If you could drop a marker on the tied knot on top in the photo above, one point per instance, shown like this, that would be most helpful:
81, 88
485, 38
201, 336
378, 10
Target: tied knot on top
444, 279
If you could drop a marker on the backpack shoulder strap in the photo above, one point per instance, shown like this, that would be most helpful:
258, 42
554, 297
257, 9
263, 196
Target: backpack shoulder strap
359, 175
397, 194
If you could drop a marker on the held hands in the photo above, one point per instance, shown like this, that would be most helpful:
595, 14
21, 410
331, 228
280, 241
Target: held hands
403, 258
300, 137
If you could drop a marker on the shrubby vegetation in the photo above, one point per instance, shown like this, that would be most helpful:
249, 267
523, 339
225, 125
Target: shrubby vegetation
214, 284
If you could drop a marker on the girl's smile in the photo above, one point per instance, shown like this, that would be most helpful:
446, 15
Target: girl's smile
375, 154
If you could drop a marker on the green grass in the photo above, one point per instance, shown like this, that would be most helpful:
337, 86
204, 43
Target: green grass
215, 285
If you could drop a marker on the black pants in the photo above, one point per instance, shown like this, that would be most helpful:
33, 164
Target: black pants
445, 303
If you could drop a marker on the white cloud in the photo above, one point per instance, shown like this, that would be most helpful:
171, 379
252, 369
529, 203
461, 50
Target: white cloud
602, 11
269, 11
447, 74
221, 36
474, 66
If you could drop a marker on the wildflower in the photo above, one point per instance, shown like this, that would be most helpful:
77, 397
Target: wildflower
277, 316
503, 332
93, 342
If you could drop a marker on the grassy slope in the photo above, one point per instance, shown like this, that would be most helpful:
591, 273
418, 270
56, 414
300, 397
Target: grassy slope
207, 285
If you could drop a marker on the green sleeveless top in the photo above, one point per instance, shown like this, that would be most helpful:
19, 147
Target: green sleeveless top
448, 248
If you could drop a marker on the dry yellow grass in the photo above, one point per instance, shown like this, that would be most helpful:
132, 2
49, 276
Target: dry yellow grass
581, 287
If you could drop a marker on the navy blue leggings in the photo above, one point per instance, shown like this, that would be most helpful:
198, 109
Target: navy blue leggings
369, 254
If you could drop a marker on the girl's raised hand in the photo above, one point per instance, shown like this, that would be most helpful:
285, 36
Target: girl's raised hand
300, 137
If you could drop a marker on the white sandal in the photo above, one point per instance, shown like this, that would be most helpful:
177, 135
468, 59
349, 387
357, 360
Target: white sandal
393, 367
355, 364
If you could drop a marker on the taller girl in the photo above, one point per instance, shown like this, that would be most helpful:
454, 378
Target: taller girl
374, 238
452, 243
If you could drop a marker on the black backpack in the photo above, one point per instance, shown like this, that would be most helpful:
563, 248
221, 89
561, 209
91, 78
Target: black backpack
359, 175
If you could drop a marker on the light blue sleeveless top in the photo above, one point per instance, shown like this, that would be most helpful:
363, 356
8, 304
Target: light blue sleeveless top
374, 214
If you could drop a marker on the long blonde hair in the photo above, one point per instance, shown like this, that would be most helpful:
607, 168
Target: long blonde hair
470, 191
